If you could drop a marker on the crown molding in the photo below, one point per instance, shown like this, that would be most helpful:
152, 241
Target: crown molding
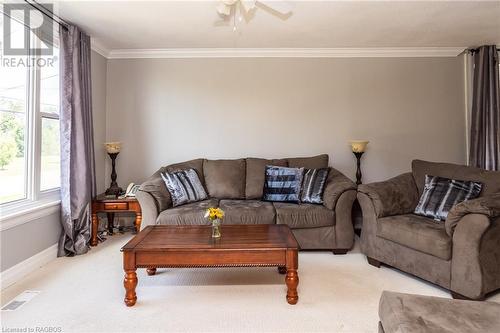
99, 48
285, 52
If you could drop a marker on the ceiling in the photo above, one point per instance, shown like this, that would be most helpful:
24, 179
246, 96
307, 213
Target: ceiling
314, 24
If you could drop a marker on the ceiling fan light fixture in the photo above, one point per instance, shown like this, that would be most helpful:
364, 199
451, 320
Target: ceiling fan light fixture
224, 9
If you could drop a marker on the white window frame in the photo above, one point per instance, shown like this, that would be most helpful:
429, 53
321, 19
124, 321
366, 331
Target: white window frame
34, 198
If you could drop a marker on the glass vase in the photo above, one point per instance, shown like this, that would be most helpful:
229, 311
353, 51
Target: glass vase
216, 228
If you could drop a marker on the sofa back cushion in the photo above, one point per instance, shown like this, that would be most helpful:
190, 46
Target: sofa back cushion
196, 164
441, 194
282, 184
255, 175
184, 187
225, 179
155, 186
489, 179
313, 185
314, 162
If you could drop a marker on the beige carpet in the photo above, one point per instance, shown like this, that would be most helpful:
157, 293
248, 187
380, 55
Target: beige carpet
85, 293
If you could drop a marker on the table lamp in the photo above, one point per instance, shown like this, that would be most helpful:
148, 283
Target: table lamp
113, 149
358, 148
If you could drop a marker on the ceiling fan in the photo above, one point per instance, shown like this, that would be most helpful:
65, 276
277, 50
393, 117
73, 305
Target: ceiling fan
228, 8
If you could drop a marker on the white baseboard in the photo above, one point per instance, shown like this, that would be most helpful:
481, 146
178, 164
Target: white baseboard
19, 271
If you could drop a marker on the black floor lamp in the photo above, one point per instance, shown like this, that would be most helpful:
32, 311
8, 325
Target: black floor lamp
113, 149
358, 148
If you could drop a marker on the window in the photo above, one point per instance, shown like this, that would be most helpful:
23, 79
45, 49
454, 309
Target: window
49, 113
29, 126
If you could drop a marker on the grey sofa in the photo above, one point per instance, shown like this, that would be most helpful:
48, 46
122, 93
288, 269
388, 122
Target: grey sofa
405, 313
237, 185
462, 254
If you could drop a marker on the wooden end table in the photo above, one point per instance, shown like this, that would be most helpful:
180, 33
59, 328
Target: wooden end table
108, 205
163, 246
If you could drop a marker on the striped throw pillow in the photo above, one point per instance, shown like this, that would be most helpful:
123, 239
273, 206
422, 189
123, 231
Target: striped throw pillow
184, 186
282, 184
441, 194
313, 185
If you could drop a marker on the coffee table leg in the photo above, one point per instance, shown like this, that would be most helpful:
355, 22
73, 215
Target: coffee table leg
292, 277
292, 281
151, 270
130, 282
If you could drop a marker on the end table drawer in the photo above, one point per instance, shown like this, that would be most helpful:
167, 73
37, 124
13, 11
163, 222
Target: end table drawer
116, 206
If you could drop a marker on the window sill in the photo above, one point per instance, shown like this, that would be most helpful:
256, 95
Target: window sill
28, 214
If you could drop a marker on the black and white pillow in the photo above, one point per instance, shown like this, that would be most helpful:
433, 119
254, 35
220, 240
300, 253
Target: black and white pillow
184, 187
313, 185
441, 194
282, 184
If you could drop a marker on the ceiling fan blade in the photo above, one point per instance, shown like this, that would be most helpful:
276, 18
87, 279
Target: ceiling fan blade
282, 7
248, 5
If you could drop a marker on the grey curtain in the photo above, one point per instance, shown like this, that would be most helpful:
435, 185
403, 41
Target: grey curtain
78, 184
485, 112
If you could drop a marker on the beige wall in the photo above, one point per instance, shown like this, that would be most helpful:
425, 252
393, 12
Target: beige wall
169, 110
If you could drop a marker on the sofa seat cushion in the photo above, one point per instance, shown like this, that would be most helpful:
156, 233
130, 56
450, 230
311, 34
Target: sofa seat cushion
189, 214
225, 179
415, 313
416, 232
303, 215
247, 212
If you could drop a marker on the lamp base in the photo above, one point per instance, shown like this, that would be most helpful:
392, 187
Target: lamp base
358, 167
114, 190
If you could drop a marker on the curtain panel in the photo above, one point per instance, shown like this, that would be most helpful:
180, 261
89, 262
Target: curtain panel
484, 151
78, 184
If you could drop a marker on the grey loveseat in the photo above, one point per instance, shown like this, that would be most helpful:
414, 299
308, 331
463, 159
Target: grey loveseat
462, 254
237, 185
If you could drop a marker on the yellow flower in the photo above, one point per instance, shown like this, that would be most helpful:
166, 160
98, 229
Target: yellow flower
213, 213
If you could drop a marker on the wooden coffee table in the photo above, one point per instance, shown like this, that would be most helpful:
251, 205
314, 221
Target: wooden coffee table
192, 246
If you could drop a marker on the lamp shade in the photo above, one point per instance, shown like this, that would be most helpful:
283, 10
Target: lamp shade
113, 147
358, 146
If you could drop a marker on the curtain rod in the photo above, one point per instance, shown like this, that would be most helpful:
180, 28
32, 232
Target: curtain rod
48, 13
477, 49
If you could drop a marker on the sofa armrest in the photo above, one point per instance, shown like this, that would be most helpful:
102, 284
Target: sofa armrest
344, 228
473, 234
148, 207
336, 184
394, 196
488, 205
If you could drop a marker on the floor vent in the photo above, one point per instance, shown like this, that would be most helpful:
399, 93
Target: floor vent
20, 300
